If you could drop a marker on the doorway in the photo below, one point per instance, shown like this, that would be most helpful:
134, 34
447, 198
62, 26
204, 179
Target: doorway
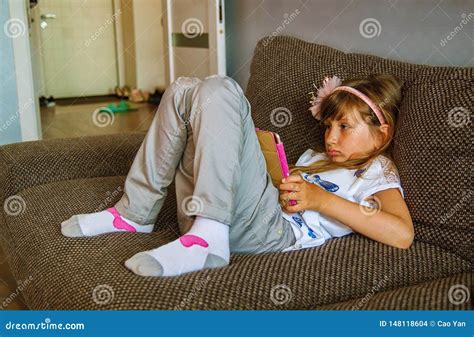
74, 47
111, 60
88, 59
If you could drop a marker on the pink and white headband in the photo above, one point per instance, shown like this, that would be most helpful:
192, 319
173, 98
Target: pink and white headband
333, 84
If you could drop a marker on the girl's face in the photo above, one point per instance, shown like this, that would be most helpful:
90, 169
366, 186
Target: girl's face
348, 138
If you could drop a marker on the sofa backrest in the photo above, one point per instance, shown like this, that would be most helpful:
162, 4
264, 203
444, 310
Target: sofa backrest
432, 144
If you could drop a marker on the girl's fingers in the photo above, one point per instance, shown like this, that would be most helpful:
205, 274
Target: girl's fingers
289, 187
285, 197
293, 209
292, 178
290, 196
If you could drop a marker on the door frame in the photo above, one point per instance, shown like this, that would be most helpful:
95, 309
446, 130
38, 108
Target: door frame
119, 48
216, 37
28, 106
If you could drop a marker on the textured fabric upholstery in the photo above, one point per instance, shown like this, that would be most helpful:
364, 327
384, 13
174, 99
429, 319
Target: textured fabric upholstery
55, 179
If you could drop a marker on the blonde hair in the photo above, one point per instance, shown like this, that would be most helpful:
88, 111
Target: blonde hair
383, 90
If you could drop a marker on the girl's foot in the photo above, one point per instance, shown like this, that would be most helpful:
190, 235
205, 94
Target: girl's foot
108, 221
206, 245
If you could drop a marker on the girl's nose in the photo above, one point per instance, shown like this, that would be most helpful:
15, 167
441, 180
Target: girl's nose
331, 136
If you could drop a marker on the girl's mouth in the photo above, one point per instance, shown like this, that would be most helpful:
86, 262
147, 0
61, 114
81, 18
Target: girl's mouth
333, 153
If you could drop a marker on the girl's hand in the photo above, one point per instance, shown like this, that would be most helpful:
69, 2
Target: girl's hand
307, 195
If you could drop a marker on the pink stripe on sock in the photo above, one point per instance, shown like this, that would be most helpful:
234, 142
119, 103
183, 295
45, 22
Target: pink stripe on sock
119, 223
189, 240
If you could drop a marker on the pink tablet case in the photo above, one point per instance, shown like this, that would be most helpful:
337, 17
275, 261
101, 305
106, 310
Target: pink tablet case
280, 150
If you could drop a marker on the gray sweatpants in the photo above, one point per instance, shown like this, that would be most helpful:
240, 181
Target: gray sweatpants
203, 135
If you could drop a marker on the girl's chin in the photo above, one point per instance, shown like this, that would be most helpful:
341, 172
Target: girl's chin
337, 159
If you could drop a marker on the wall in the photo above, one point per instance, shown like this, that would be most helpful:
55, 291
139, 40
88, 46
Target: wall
10, 128
407, 30
149, 48
142, 34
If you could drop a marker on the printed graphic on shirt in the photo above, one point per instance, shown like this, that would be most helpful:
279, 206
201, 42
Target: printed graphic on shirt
360, 172
313, 229
316, 179
300, 221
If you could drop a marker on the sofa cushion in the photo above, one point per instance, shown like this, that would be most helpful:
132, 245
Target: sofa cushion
449, 293
88, 273
432, 144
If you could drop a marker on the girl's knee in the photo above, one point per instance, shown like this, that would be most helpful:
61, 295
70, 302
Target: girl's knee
183, 82
221, 84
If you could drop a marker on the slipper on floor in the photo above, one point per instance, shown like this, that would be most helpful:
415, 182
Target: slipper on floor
120, 107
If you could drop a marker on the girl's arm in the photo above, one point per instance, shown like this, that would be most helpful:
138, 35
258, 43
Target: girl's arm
392, 225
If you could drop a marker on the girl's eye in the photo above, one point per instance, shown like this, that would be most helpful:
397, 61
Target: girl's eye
344, 126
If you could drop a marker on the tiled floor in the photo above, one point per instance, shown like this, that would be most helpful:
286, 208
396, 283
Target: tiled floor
78, 120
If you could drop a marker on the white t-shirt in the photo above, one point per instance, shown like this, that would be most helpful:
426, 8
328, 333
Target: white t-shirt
313, 229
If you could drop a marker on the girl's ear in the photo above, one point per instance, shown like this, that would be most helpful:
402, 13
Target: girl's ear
384, 132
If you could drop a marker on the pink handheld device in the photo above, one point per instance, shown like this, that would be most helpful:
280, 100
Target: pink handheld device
282, 157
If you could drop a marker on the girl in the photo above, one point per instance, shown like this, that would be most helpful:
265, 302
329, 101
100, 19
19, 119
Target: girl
203, 136
338, 183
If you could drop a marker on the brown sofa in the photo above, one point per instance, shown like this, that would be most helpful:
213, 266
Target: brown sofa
55, 179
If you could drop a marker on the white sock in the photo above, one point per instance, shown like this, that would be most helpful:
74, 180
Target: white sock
107, 221
206, 245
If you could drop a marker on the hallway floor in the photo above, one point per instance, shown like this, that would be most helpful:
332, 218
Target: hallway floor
78, 120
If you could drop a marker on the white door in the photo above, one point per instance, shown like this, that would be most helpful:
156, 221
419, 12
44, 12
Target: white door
77, 47
195, 37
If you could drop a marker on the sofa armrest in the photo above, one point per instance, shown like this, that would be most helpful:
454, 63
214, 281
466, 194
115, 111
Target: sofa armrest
449, 293
28, 164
